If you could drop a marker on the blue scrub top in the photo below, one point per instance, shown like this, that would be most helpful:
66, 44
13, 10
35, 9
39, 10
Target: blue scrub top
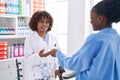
98, 59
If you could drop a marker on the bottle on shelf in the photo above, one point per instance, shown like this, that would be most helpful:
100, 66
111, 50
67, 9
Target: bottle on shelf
15, 50
21, 49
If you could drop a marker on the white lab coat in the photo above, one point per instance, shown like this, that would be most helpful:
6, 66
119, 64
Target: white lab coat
33, 69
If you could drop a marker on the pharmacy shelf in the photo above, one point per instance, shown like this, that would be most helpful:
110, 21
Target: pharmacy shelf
8, 59
12, 16
11, 36
7, 36
14, 30
19, 23
7, 16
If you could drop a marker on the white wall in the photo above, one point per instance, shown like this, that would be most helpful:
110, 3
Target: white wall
59, 10
76, 25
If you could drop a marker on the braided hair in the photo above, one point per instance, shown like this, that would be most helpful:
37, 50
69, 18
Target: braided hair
110, 9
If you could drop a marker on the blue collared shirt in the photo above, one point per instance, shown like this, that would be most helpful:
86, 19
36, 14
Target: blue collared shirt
97, 59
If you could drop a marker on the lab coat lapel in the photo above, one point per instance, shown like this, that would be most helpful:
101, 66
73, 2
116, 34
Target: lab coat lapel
38, 43
52, 43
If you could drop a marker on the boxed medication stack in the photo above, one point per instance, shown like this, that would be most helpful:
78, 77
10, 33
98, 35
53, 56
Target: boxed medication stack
2, 7
12, 6
37, 5
3, 50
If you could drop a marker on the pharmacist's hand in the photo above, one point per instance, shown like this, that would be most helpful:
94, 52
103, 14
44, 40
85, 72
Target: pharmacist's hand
42, 54
57, 73
51, 52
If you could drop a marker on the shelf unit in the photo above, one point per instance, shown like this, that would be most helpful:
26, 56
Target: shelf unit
14, 27
21, 30
11, 21
13, 30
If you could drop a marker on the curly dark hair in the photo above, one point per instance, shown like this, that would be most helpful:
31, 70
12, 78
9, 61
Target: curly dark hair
110, 9
37, 16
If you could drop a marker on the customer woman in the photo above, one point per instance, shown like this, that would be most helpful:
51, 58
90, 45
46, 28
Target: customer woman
99, 57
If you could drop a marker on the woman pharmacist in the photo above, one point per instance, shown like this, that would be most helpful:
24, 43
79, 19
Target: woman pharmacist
36, 67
